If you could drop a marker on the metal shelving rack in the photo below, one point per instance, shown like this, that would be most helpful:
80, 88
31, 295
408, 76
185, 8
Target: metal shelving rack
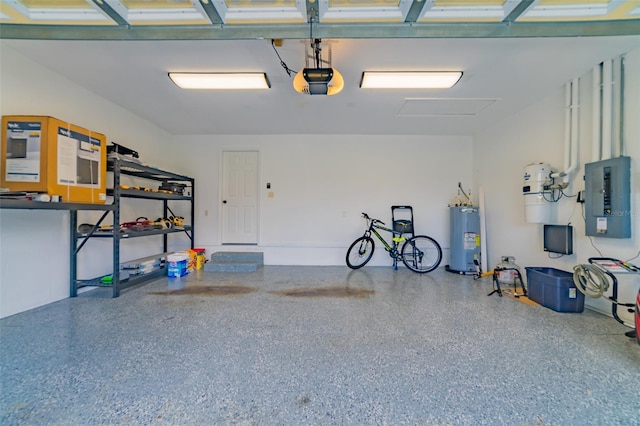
118, 167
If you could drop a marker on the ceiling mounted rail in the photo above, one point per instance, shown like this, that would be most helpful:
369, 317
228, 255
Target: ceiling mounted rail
211, 12
287, 19
110, 12
518, 10
334, 31
414, 11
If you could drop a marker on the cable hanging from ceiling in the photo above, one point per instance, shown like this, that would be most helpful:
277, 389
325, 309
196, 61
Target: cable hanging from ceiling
288, 70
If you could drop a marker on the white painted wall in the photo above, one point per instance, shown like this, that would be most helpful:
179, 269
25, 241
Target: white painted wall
322, 184
535, 135
34, 245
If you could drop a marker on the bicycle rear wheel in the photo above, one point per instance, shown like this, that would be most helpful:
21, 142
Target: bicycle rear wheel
421, 254
360, 252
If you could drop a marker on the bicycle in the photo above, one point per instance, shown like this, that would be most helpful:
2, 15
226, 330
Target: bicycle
420, 253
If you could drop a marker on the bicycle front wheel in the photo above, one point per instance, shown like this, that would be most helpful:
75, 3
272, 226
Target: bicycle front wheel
360, 252
421, 254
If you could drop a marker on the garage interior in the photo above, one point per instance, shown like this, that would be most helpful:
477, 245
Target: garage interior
304, 339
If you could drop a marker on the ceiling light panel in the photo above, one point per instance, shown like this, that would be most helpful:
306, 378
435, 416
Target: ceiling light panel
409, 79
63, 12
363, 11
361, 14
580, 10
261, 11
160, 12
462, 11
221, 81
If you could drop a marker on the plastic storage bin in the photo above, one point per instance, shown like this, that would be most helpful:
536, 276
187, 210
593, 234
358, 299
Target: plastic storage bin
554, 289
177, 265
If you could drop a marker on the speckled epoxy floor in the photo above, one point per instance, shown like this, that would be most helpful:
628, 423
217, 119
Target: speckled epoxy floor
395, 348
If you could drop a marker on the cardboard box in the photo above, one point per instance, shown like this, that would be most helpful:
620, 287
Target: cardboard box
44, 154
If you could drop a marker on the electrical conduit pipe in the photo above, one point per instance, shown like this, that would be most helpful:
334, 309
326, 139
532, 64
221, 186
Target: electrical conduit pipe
607, 105
571, 132
596, 130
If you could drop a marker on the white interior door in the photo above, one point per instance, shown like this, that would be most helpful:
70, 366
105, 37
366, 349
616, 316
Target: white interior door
239, 197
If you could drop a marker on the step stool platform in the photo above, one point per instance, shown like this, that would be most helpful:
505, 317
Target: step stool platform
235, 261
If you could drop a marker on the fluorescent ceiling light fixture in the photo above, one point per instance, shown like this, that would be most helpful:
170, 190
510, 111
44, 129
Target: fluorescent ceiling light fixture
409, 79
221, 80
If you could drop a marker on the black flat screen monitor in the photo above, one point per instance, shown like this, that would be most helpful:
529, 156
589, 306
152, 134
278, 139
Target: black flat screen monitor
558, 239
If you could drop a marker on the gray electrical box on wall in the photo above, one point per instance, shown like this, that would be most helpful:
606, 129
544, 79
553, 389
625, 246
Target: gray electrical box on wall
607, 198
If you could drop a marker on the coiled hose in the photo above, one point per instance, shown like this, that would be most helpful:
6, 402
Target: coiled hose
592, 281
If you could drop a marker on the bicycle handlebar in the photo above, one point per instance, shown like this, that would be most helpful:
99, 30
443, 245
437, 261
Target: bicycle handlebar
366, 216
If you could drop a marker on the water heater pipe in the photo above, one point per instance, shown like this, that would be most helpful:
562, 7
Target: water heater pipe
607, 105
571, 131
567, 125
575, 105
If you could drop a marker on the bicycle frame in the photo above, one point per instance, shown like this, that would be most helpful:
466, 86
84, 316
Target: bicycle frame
373, 229
419, 253
392, 249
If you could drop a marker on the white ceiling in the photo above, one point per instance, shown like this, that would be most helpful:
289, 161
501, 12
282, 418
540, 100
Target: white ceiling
501, 76
512, 53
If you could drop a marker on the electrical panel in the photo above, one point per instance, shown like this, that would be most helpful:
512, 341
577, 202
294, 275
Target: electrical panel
607, 198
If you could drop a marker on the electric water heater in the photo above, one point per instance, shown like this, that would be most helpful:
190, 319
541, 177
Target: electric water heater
465, 239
